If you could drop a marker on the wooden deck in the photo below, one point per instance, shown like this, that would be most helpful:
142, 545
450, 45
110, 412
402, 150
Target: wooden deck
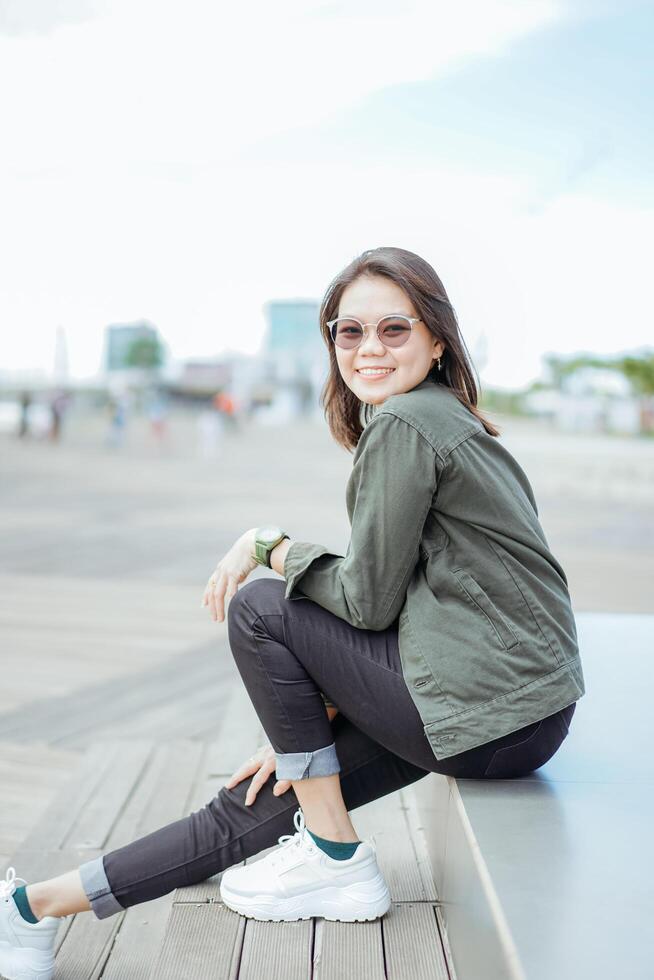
127, 787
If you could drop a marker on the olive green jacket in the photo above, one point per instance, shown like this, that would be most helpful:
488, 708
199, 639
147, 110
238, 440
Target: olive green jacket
447, 546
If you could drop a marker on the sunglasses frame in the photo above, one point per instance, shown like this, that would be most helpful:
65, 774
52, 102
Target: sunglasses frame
387, 316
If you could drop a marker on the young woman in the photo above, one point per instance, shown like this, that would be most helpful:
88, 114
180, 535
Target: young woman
443, 641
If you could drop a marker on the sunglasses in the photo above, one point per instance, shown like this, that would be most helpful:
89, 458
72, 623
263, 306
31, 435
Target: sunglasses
393, 330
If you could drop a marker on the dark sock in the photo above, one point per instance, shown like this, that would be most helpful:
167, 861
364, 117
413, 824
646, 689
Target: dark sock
336, 849
20, 898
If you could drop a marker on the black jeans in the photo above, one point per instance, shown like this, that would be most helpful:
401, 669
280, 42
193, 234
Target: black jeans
287, 652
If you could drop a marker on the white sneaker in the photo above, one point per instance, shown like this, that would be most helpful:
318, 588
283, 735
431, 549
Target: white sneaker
299, 881
26, 949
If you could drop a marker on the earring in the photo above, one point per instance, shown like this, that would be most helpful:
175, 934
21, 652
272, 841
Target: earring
439, 363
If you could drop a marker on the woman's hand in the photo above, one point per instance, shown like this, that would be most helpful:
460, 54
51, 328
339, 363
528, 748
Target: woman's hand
262, 764
230, 571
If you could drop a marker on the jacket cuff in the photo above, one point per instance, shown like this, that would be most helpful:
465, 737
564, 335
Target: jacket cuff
299, 557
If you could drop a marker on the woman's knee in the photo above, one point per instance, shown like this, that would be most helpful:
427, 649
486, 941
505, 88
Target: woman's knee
250, 599
248, 609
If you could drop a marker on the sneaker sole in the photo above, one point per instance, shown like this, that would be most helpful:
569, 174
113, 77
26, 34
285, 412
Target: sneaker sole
355, 903
25, 964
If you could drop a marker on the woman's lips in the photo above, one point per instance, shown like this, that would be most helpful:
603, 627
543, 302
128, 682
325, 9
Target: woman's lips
376, 377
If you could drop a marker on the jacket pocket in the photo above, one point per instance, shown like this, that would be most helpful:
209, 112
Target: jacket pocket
482, 600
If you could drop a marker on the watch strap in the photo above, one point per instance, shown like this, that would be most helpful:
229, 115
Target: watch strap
263, 549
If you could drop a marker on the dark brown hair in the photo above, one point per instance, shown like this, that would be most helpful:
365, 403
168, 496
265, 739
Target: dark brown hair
421, 284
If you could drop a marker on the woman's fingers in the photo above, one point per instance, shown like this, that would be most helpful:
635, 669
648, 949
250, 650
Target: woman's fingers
257, 782
225, 588
245, 770
281, 786
262, 764
216, 598
212, 605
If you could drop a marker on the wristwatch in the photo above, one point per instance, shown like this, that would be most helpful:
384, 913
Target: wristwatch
265, 539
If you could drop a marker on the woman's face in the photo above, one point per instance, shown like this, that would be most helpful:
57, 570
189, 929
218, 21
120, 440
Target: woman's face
368, 299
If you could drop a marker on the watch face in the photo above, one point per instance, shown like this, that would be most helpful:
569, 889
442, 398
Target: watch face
268, 534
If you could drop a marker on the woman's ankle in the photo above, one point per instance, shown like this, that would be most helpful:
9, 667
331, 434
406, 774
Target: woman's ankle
59, 897
36, 898
343, 833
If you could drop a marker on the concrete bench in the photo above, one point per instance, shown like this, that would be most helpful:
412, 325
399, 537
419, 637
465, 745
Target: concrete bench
125, 788
551, 875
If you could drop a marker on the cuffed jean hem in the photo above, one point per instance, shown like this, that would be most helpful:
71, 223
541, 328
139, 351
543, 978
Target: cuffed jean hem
305, 765
98, 890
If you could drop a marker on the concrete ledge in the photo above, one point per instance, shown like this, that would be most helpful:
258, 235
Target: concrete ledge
551, 875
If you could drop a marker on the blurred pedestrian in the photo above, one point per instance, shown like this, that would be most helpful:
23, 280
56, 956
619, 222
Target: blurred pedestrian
58, 405
210, 431
24, 420
117, 421
157, 410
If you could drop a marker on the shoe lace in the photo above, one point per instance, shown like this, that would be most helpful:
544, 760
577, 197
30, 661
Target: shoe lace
288, 842
8, 884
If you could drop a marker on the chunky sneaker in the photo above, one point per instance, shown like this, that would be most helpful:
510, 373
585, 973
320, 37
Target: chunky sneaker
26, 949
298, 880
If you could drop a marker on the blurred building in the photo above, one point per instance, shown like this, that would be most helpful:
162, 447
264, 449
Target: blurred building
295, 357
119, 341
202, 378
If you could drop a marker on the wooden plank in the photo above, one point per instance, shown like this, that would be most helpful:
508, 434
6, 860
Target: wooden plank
412, 943
87, 946
417, 831
139, 941
190, 712
31, 777
74, 718
50, 831
384, 821
93, 823
348, 949
277, 949
202, 942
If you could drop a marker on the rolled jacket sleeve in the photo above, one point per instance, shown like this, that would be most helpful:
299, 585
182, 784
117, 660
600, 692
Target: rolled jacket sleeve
389, 494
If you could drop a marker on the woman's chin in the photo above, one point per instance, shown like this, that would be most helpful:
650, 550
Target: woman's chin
373, 394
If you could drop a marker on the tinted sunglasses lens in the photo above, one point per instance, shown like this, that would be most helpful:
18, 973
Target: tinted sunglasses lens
347, 333
395, 331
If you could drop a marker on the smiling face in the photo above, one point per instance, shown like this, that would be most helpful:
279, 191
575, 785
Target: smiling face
368, 299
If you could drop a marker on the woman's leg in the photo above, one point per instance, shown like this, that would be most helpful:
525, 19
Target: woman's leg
222, 833
287, 652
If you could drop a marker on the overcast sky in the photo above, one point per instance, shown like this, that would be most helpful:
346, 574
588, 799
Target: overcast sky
186, 162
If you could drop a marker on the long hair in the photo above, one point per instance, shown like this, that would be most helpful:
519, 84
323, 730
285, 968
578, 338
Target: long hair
419, 281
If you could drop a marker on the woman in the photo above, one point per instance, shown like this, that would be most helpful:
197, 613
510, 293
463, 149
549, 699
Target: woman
443, 641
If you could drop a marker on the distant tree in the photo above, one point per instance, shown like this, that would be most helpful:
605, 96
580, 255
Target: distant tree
145, 352
640, 371
561, 368
637, 368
